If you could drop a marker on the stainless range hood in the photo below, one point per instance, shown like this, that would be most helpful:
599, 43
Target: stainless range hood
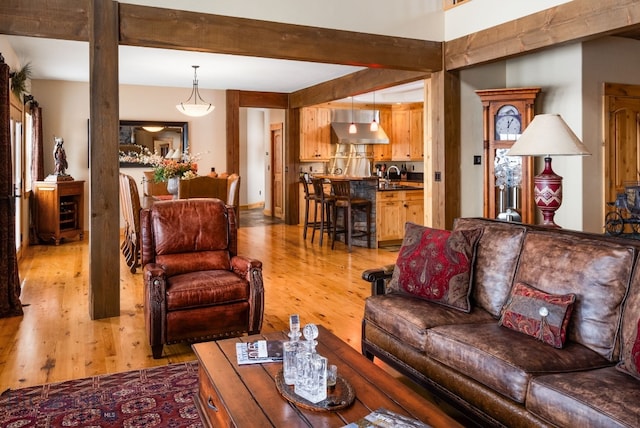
342, 119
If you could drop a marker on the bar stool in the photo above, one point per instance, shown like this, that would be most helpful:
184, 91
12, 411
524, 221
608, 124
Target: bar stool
309, 197
344, 200
325, 202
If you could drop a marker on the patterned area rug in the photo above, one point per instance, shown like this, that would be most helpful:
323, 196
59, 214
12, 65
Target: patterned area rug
154, 397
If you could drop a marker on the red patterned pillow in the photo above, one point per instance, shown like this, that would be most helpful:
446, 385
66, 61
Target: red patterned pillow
631, 360
536, 313
436, 265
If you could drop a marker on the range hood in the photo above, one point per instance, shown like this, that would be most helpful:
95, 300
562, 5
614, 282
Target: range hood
341, 120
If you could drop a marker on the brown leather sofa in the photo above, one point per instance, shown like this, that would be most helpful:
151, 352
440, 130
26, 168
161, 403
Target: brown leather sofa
502, 377
196, 286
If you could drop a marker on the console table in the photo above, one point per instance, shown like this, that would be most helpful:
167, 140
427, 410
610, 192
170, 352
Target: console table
59, 208
246, 396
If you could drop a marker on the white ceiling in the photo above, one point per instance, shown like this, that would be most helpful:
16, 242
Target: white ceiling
69, 60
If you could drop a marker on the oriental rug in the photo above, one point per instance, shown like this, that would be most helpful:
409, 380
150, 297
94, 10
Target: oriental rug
153, 397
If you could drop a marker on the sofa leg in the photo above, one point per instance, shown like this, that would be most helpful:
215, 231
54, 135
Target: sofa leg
156, 350
369, 355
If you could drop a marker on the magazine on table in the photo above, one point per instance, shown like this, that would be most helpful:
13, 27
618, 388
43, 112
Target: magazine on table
387, 419
260, 351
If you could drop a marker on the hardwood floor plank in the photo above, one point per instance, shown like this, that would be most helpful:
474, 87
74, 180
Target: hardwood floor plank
56, 339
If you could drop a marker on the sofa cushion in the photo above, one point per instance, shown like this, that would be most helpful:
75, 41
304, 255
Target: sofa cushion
536, 313
502, 359
594, 398
436, 265
597, 271
496, 260
630, 330
408, 318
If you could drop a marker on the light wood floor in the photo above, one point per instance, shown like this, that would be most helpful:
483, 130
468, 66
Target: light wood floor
56, 340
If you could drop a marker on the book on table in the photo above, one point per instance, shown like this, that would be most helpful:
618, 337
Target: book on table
387, 419
259, 351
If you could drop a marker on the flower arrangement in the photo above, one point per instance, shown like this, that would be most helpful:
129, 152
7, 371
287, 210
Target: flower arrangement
164, 169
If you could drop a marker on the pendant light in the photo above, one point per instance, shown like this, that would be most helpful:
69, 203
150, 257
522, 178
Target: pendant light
195, 108
374, 124
352, 127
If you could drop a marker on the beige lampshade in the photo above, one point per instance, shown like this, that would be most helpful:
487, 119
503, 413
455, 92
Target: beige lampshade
548, 135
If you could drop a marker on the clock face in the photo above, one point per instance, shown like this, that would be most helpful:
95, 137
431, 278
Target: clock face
508, 125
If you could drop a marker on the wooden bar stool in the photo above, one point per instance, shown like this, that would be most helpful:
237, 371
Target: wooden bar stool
349, 204
309, 197
325, 202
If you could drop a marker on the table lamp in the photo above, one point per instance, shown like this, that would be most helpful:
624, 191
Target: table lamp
548, 135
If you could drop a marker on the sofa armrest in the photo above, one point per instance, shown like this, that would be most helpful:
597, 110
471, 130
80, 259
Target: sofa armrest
378, 278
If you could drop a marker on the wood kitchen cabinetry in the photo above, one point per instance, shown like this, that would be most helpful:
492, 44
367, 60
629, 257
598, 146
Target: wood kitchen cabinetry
393, 209
382, 152
315, 134
407, 141
59, 208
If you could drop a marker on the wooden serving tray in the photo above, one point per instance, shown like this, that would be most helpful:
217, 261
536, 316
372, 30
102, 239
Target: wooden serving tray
338, 397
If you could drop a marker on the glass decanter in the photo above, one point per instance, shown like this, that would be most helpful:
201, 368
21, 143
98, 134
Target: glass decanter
311, 368
290, 350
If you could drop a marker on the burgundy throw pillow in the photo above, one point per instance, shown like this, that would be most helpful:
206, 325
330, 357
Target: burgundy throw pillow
631, 359
436, 265
536, 313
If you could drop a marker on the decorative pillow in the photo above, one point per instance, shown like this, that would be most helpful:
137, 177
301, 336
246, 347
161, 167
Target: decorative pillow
631, 360
436, 265
536, 313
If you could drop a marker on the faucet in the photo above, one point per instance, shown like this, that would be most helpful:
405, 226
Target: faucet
394, 167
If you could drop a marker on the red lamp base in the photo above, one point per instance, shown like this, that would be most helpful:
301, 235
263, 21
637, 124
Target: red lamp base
547, 187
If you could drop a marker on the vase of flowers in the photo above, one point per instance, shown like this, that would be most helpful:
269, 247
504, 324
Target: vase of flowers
172, 170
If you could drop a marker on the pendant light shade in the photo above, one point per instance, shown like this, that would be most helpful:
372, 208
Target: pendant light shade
195, 106
352, 127
374, 124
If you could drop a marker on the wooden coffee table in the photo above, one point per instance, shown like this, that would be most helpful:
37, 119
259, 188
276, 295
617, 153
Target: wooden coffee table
246, 396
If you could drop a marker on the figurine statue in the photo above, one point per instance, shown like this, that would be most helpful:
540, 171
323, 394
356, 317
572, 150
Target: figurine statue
60, 157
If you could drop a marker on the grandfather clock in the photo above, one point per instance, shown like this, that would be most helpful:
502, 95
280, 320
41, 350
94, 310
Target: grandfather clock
508, 180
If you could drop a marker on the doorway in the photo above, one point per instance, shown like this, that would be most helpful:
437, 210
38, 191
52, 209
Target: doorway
277, 171
622, 139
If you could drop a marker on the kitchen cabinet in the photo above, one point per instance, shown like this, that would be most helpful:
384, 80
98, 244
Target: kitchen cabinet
59, 209
382, 152
393, 209
407, 142
315, 134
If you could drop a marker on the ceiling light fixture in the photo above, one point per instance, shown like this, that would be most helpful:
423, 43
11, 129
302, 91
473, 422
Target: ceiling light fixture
352, 127
195, 109
153, 128
374, 124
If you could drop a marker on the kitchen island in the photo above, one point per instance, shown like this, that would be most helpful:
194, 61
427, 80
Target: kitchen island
393, 204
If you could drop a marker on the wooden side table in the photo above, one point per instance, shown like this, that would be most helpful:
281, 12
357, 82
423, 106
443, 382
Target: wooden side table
59, 209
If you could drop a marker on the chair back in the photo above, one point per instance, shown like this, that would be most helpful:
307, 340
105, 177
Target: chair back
188, 235
341, 190
233, 190
203, 187
130, 204
151, 188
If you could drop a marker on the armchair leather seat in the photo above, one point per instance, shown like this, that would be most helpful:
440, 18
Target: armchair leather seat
196, 285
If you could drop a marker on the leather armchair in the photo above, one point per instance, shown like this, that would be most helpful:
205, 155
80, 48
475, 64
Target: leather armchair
196, 285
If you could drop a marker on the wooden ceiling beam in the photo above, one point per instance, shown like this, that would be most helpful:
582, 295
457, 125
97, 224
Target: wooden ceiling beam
53, 19
177, 29
360, 82
575, 21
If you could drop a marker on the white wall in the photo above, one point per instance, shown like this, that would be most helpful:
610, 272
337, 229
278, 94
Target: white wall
404, 18
478, 15
65, 111
471, 135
